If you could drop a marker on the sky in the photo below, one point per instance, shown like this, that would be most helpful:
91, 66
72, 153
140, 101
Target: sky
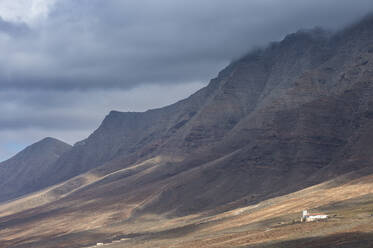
66, 63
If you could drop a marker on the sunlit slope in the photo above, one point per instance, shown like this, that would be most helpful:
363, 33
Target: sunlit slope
348, 200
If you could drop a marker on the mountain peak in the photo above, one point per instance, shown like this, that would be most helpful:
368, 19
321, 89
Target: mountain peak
46, 145
19, 174
51, 140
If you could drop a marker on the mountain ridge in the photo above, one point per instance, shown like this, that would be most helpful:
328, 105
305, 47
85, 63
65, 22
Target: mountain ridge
261, 108
282, 129
20, 174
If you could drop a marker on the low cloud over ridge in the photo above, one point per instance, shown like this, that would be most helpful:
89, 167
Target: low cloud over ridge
65, 53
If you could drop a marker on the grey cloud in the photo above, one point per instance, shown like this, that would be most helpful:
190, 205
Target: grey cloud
101, 44
81, 110
13, 29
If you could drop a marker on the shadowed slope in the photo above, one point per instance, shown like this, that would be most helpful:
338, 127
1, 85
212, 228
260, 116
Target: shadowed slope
273, 122
23, 173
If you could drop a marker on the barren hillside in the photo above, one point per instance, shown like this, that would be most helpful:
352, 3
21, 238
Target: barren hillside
220, 168
22, 173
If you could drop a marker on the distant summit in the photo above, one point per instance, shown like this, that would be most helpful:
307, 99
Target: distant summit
22, 173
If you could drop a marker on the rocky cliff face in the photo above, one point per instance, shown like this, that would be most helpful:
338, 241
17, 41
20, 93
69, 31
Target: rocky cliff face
204, 118
22, 173
309, 121
274, 121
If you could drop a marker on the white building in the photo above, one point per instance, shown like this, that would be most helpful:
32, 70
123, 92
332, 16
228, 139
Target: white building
307, 217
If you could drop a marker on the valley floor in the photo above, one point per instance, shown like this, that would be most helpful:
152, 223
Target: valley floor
274, 223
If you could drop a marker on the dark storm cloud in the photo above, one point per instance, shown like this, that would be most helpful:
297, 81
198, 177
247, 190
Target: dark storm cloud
13, 29
115, 43
80, 110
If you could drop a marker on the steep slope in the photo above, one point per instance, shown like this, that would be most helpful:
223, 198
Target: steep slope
21, 174
199, 121
126, 134
313, 125
277, 120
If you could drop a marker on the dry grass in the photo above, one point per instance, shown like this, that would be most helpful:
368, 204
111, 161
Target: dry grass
271, 221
